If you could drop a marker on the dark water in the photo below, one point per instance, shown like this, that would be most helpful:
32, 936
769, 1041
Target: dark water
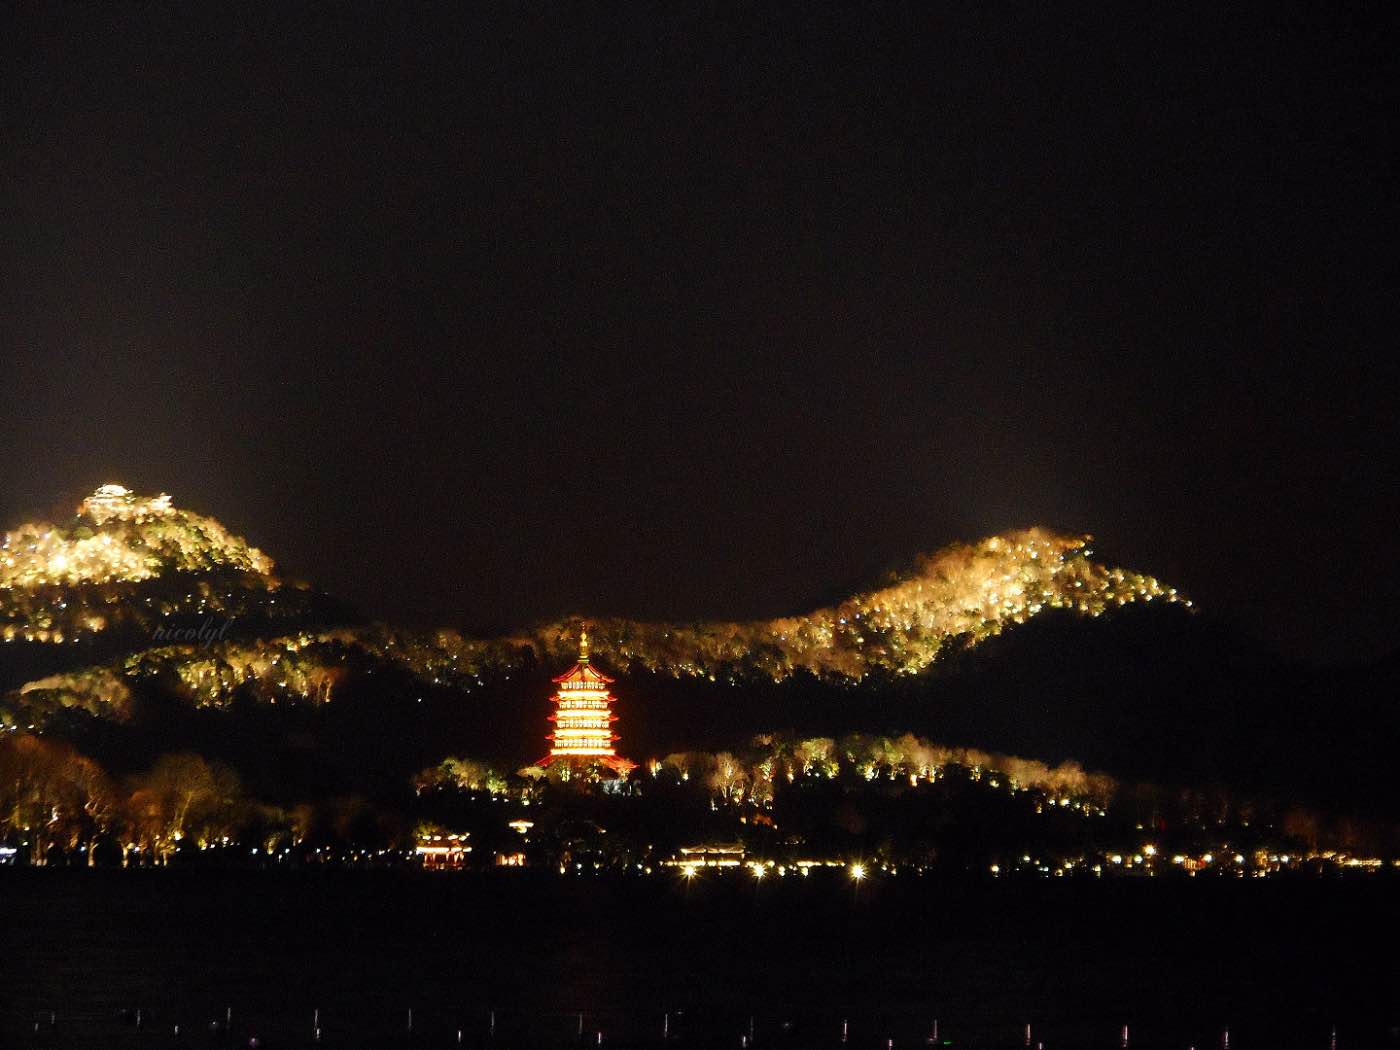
1279, 963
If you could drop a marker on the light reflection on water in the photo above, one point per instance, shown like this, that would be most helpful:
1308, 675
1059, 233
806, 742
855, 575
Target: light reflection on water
1279, 964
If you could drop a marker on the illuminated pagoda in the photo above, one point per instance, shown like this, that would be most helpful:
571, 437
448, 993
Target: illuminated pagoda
583, 718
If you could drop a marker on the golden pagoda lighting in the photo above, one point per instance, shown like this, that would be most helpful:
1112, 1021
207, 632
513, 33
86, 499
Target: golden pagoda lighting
583, 717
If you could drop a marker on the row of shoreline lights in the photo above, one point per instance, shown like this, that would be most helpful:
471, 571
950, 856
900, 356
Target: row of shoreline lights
691, 868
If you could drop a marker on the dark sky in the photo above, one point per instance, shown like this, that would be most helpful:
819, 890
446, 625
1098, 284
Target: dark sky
480, 318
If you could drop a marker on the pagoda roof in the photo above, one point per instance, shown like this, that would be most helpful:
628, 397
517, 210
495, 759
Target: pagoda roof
583, 671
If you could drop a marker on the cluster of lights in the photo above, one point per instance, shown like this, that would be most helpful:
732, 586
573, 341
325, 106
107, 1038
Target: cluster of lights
71, 614
97, 690
966, 591
60, 582
297, 668
62, 786
1146, 862
465, 774
118, 536
695, 859
907, 760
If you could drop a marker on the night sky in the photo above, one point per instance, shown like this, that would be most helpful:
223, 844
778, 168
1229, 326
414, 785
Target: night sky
536, 309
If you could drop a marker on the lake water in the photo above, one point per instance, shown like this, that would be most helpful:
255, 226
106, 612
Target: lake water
1279, 963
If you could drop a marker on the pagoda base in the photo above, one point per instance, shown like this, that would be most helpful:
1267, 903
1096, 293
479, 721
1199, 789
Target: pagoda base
619, 765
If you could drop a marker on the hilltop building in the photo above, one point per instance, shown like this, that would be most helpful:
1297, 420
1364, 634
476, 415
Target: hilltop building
116, 501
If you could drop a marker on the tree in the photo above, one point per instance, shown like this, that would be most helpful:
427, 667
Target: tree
49, 793
183, 796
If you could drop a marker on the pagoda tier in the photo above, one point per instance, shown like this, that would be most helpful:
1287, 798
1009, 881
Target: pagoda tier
583, 717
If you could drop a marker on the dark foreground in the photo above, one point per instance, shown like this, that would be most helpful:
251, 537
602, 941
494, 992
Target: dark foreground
1278, 963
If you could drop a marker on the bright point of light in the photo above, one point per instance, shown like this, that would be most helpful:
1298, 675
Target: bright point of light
858, 871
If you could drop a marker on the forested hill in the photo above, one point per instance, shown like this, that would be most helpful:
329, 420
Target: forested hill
1021, 642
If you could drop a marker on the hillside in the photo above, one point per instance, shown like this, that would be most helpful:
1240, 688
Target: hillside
126, 572
130, 575
1020, 643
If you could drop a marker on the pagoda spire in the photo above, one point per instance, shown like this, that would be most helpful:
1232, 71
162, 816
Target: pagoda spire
583, 645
